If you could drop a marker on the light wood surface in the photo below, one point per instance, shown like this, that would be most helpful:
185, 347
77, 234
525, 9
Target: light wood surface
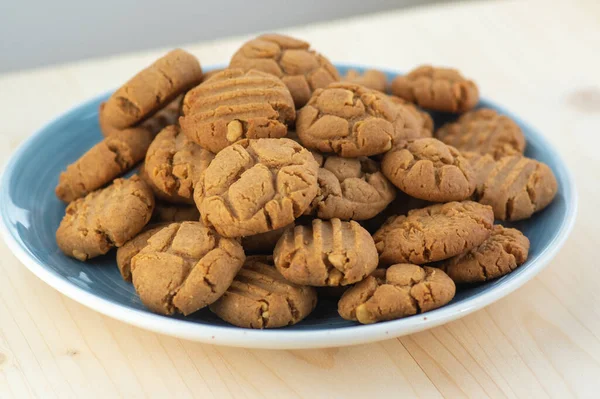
540, 59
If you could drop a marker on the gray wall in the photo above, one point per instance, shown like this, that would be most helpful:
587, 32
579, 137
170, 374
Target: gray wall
34, 33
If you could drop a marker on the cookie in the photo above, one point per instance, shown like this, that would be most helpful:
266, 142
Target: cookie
105, 219
260, 297
328, 253
401, 205
400, 291
350, 188
169, 115
438, 89
482, 165
264, 243
302, 70
185, 267
425, 121
233, 105
517, 187
484, 131
132, 248
353, 121
500, 254
434, 233
371, 78
107, 160
174, 163
151, 89
169, 213
430, 170
209, 74
254, 186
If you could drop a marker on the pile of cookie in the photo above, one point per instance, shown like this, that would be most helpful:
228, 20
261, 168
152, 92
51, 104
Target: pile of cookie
264, 185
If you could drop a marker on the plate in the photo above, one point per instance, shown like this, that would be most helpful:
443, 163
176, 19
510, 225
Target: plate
30, 214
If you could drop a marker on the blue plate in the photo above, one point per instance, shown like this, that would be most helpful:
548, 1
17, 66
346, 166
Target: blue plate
30, 214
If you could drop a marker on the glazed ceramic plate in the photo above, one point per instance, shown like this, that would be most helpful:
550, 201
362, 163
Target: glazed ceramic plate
30, 214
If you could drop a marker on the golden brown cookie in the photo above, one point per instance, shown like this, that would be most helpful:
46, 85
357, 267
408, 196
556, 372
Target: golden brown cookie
429, 169
260, 297
401, 205
371, 78
425, 121
169, 115
185, 267
482, 165
254, 186
132, 248
233, 105
169, 213
209, 74
500, 254
264, 243
434, 233
350, 188
400, 291
107, 160
353, 121
303, 70
439, 89
151, 89
328, 253
105, 219
174, 164
517, 187
484, 131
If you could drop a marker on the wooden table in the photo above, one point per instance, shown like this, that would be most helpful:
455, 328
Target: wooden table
540, 59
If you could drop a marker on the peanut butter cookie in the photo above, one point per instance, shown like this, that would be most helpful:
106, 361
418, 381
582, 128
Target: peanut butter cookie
151, 89
328, 253
107, 160
174, 164
350, 188
170, 213
233, 105
439, 89
482, 165
264, 243
352, 121
517, 187
254, 186
430, 170
434, 233
105, 219
185, 267
425, 121
132, 248
484, 131
303, 70
260, 297
500, 254
371, 78
400, 291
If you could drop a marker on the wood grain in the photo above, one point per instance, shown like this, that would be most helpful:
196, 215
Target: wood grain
537, 58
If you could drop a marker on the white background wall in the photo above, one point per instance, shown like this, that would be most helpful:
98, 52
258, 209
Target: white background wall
41, 32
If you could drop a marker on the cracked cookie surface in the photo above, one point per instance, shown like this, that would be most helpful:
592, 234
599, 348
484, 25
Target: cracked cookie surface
433, 233
352, 121
151, 89
350, 188
132, 248
439, 89
302, 69
105, 219
254, 186
174, 164
504, 251
328, 253
260, 297
371, 78
234, 105
185, 267
517, 187
484, 131
430, 170
400, 291
107, 160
